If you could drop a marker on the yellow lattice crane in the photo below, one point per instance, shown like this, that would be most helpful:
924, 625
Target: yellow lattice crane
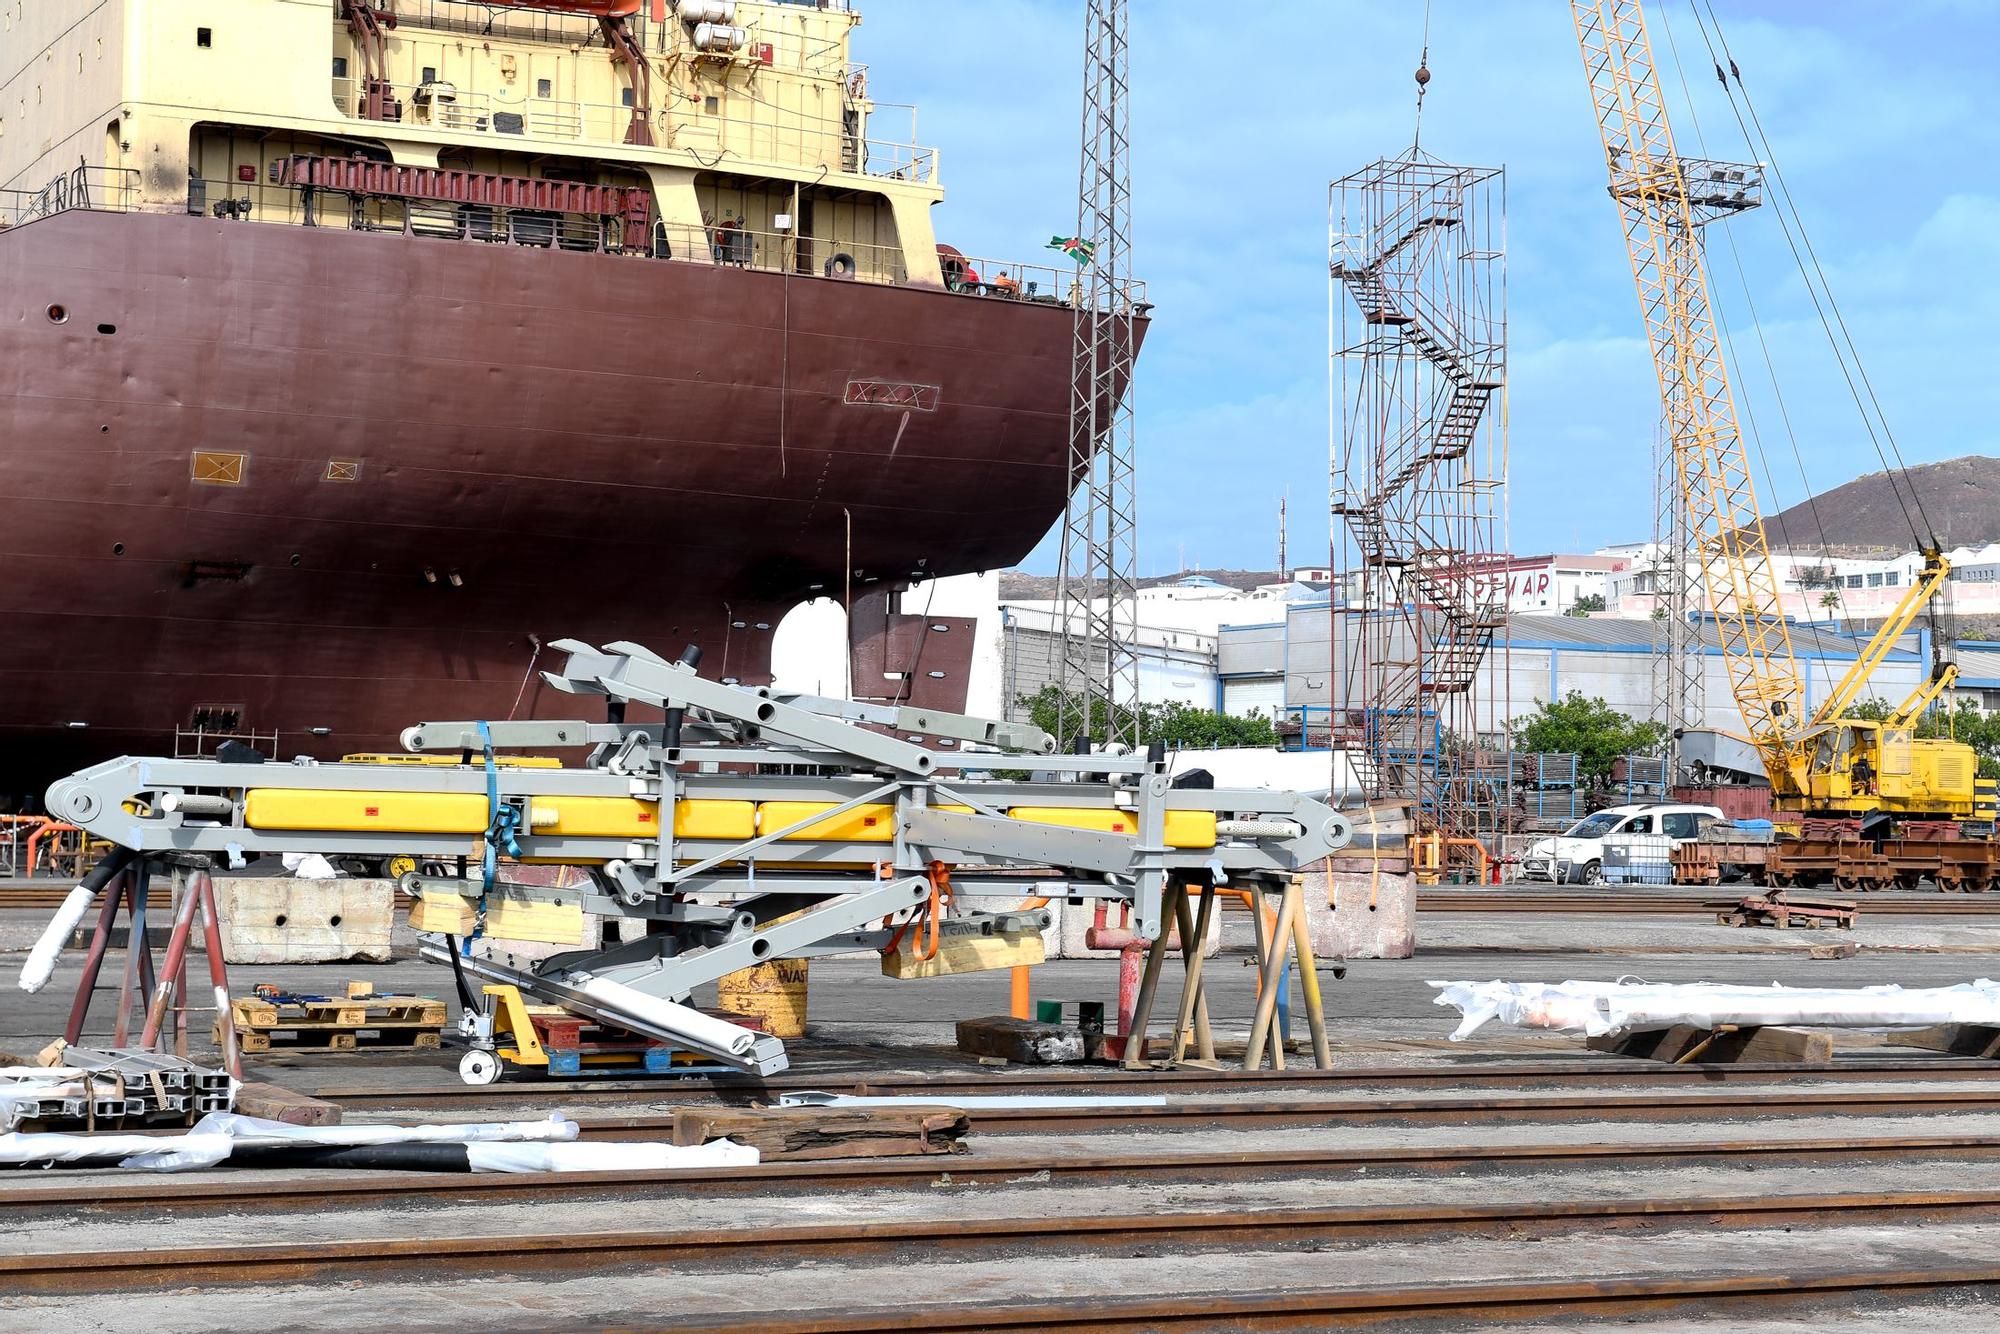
1829, 762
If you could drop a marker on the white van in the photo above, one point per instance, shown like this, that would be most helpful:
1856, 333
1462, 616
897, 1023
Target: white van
1576, 856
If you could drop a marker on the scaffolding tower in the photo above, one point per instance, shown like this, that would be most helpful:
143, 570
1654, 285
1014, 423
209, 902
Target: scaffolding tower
1099, 574
1419, 454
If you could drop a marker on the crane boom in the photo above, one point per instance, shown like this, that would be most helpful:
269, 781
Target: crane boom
1660, 213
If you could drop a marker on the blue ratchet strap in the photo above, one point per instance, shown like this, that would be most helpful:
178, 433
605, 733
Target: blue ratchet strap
503, 823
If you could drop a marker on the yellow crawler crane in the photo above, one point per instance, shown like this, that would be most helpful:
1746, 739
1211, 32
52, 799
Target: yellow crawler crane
1830, 763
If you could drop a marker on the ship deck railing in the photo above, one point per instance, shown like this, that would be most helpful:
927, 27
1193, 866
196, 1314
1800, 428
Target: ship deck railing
110, 189
1062, 284
808, 142
116, 190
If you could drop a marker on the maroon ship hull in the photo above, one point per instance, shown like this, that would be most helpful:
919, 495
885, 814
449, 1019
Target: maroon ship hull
452, 452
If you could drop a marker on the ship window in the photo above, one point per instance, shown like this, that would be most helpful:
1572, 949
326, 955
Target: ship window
204, 37
107, 328
340, 67
711, 105
430, 74
625, 96
544, 88
57, 315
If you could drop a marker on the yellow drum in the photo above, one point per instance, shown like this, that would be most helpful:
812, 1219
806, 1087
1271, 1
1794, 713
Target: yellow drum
773, 993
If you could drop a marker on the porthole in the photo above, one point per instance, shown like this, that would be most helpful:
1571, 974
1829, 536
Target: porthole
57, 315
117, 548
297, 560
107, 328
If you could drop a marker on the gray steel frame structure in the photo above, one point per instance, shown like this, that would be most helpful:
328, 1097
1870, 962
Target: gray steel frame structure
716, 905
1099, 571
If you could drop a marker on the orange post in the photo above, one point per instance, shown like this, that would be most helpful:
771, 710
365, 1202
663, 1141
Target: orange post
1018, 1003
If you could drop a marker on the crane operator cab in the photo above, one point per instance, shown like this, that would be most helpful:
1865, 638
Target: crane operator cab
1859, 766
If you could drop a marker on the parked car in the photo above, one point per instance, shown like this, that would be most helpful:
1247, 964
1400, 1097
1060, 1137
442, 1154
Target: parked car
1576, 856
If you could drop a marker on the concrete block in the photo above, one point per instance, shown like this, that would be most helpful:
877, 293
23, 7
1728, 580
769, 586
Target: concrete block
282, 919
1072, 921
1021, 1041
1355, 910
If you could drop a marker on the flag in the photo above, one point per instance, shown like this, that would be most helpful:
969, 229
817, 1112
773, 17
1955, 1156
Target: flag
1075, 247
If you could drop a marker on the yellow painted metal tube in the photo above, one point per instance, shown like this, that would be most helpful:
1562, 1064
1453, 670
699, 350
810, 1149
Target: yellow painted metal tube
1184, 829
365, 812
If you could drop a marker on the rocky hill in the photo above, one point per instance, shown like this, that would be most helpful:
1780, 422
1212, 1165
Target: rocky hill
1961, 496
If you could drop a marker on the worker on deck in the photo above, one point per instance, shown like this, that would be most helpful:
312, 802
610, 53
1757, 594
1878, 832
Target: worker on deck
1006, 286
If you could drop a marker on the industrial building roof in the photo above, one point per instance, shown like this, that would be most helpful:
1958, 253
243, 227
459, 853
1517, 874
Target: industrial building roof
1614, 632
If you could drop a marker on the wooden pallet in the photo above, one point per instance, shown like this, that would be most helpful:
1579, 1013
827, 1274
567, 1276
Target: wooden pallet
361, 1018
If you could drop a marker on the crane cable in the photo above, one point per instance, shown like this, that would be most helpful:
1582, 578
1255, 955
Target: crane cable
1770, 367
1807, 258
1423, 77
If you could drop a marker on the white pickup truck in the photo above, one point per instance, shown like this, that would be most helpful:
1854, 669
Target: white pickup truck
1576, 856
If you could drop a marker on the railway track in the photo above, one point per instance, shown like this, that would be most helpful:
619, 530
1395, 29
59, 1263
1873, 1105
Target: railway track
996, 1164
1457, 1075
81, 1269
1667, 904
1513, 1110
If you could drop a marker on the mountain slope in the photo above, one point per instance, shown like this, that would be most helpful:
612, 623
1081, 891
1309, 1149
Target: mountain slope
1961, 497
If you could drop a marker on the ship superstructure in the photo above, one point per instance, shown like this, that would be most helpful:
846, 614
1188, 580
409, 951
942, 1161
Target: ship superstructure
359, 347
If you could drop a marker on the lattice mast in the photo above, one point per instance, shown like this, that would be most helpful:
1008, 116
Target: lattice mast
1418, 268
1663, 201
1679, 691
1099, 572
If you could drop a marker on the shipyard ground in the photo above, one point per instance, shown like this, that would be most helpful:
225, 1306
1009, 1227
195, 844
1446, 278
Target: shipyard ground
1516, 1181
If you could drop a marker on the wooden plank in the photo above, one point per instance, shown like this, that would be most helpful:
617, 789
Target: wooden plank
1797, 1046
1956, 1039
827, 1132
334, 1038
282, 1104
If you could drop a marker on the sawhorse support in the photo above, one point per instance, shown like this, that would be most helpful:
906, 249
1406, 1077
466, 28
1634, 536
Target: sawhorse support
164, 997
1279, 944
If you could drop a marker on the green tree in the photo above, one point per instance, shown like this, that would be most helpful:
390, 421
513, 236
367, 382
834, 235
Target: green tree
1586, 604
1589, 728
1829, 599
1180, 726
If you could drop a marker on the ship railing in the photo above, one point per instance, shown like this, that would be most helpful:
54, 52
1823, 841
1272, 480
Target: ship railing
801, 141
256, 201
782, 252
1065, 285
102, 189
195, 743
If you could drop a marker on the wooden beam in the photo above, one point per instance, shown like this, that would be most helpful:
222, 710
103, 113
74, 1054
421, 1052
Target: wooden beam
1792, 1046
798, 1133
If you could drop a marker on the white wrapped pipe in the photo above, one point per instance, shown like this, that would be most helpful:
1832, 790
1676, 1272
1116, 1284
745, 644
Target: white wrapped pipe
41, 964
706, 11
608, 1157
681, 1020
1596, 1008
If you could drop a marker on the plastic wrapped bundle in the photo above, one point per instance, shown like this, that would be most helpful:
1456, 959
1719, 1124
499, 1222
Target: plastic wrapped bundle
1596, 1008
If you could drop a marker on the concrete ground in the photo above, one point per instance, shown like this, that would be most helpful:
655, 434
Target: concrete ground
1381, 1014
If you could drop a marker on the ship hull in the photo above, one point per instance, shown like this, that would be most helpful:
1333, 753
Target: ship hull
447, 454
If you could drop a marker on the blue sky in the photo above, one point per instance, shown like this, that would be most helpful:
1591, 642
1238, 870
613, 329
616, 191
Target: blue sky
1878, 114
